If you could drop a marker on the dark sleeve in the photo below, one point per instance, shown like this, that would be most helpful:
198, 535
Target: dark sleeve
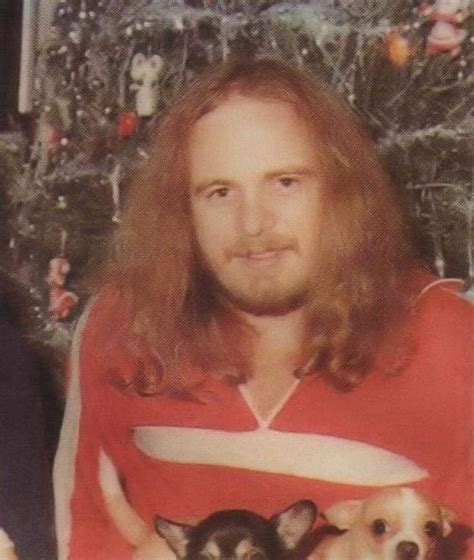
25, 481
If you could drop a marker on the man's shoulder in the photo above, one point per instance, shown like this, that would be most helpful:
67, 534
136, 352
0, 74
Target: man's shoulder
444, 325
99, 337
442, 301
107, 310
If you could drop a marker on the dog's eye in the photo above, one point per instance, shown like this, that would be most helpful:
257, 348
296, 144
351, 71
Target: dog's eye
432, 529
379, 527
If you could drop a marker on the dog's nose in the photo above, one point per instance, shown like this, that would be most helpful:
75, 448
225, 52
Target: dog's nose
407, 550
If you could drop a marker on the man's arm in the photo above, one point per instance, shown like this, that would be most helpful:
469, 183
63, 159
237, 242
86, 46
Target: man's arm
82, 525
89, 498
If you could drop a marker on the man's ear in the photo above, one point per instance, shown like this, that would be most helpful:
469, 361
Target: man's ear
293, 523
175, 534
344, 515
448, 516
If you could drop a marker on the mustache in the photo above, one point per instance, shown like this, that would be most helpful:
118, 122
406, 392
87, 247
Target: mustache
248, 247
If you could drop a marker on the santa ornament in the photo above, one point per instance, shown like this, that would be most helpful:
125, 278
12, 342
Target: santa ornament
446, 35
61, 301
145, 71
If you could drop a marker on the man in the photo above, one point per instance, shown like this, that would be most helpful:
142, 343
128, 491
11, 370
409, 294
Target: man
264, 333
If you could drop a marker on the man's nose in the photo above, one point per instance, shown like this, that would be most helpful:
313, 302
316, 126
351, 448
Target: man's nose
256, 216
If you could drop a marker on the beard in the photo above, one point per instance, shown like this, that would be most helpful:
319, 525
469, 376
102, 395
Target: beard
261, 295
264, 302
274, 290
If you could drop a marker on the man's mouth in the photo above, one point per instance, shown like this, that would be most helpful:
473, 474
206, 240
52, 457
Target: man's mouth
266, 257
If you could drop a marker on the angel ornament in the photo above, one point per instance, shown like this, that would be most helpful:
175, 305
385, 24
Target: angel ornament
144, 72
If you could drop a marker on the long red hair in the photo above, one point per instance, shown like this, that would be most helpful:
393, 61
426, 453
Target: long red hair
169, 311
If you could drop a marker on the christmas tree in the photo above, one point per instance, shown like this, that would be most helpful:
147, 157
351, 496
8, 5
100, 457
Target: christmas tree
111, 67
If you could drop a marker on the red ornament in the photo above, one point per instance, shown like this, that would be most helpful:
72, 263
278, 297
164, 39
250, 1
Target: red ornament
127, 124
61, 301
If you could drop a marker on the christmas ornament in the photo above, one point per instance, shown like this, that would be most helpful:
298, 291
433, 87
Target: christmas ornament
145, 71
445, 35
61, 203
398, 48
128, 124
76, 33
61, 301
54, 142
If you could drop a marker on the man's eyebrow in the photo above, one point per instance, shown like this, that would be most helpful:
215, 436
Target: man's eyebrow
291, 170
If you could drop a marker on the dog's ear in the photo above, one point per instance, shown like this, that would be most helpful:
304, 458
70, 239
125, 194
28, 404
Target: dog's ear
448, 516
293, 523
344, 515
175, 534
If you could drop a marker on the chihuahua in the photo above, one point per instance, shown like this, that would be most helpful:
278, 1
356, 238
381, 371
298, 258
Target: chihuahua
241, 535
393, 524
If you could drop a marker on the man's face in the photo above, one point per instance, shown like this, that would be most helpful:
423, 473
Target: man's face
254, 199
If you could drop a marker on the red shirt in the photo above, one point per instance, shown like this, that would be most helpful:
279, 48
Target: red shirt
185, 459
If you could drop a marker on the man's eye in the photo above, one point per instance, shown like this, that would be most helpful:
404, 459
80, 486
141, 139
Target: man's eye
218, 193
287, 181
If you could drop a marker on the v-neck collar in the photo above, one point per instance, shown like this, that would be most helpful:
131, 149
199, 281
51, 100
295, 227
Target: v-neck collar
265, 422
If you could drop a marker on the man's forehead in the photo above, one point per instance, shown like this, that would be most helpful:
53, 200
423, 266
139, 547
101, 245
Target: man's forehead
260, 134
238, 106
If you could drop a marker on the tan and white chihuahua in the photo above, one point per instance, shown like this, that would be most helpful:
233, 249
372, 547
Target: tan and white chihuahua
393, 524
